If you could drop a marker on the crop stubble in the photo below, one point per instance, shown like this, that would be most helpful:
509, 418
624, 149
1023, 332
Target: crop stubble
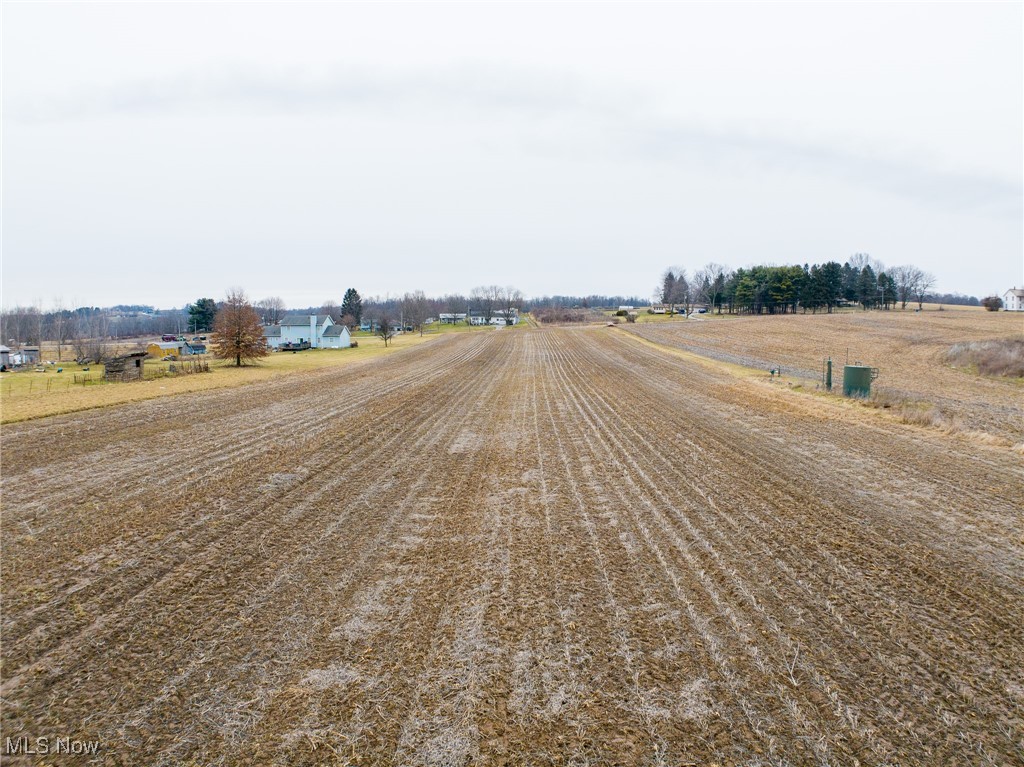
535, 547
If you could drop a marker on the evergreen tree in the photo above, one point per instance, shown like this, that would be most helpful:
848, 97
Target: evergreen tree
668, 287
352, 304
201, 314
867, 287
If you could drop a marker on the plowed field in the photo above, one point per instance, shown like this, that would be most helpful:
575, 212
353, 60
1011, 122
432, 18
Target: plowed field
544, 547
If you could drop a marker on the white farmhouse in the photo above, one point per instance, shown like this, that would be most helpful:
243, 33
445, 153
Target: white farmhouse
317, 330
1013, 300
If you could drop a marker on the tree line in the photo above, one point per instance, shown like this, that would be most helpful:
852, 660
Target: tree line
861, 280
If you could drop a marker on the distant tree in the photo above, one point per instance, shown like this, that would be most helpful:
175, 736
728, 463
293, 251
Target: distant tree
923, 285
711, 284
60, 326
385, 328
89, 334
415, 309
485, 299
667, 289
512, 300
906, 279
992, 303
201, 314
349, 321
238, 332
887, 290
331, 309
271, 309
352, 304
867, 287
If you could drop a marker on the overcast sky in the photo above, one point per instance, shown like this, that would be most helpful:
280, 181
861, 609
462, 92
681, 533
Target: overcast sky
155, 153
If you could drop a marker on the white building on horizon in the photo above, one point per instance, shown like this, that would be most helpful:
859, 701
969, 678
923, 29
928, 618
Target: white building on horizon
1013, 300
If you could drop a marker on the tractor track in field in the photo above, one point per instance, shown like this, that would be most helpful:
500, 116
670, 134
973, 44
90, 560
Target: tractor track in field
530, 547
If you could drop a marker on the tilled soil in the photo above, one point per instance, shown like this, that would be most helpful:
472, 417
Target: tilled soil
521, 547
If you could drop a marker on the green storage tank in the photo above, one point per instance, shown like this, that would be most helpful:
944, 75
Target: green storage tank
857, 380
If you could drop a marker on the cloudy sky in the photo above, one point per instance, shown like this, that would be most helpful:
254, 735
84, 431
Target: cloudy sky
157, 152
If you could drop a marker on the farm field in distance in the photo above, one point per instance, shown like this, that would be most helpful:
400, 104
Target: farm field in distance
549, 546
909, 349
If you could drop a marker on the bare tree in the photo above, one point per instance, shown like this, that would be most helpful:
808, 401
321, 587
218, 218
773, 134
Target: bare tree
88, 335
717, 276
60, 326
906, 278
237, 330
859, 260
511, 301
385, 328
34, 323
332, 309
925, 282
415, 308
486, 299
272, 309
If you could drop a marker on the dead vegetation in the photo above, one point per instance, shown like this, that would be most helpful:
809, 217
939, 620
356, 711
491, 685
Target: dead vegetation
564, 315
491, 551
999, 357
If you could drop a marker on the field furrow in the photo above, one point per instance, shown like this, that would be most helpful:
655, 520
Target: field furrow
522, 547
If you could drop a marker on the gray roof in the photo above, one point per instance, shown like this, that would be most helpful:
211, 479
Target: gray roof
4, 348
302, 319
271, 331
333, 330
1017, 292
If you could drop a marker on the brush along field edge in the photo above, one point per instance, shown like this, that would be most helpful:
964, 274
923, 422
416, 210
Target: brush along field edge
511, 548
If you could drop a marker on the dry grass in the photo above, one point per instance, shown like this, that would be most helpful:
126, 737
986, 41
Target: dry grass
907, 410
1000, 357
909, 348
25, 395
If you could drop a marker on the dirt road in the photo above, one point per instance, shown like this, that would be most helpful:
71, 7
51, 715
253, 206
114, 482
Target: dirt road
523, 547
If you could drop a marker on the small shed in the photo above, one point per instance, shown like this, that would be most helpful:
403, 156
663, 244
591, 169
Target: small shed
127, 367
30, 355
5, 356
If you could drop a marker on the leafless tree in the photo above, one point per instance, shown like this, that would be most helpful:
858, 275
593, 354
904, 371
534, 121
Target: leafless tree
331, 309
60, 326
511, 301
385, 328
88, 335
415, 309
925, 282
486, 299
36, 323
237, 330
859, 260
272, 309
15, 325
907, 279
